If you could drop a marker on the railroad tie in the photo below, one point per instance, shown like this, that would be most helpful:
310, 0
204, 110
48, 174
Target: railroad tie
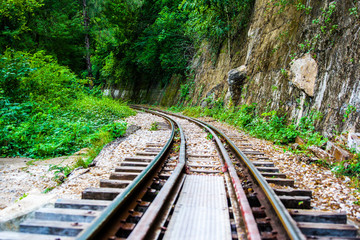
101, 193
82, 204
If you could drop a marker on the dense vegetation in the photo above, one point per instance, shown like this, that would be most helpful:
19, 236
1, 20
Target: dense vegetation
46, 111
127, 38
55, 55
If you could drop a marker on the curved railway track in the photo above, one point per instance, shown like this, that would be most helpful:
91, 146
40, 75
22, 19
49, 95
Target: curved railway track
173, 190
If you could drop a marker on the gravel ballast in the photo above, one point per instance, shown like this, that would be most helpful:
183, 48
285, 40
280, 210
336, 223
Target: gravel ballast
19, 180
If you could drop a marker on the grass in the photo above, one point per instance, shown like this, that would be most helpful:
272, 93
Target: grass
154, 126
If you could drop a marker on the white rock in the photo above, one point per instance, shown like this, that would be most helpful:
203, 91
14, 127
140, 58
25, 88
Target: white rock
304, 71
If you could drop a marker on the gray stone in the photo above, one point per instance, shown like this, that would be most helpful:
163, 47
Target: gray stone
236, 79
295, 146
354, 141
337, 152
304, 71
321, 154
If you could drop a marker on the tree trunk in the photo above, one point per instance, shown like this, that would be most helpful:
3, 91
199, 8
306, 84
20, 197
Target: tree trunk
87, 44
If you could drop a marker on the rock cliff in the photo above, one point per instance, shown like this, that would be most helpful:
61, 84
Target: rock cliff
298, 57
294, 56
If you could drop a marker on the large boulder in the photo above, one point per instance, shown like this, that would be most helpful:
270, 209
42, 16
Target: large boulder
236, 80
304, 71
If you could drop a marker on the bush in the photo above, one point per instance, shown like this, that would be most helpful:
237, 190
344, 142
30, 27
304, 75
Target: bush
36, 77
45, 112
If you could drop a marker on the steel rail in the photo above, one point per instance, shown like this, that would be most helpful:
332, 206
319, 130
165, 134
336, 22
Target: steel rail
250, 223
288, 223
290, 226
101, 222
147, 224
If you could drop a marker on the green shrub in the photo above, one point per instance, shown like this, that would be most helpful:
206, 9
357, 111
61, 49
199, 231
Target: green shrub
45, 111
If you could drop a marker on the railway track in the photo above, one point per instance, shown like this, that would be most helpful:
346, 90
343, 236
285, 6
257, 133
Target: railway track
193, 190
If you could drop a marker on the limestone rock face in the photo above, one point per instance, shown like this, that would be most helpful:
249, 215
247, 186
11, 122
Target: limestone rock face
304, 71
236, 79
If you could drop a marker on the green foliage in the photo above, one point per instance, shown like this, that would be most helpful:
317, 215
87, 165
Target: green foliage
160, 37
35, 77
53, 26
60, 172
131, 42
214, 20
22, 197
185, 91
268, 125
354, 11
349, 168
348, 111
44, 111
301, 6
154, 126
14, 16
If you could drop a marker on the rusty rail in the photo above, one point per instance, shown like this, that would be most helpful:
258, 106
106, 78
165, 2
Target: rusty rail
150, 221
291, 229
95, 230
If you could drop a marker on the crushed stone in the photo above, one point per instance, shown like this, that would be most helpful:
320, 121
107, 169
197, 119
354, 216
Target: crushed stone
330, 192
18, 180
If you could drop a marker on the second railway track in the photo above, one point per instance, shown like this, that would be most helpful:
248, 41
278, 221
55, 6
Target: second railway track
211, 187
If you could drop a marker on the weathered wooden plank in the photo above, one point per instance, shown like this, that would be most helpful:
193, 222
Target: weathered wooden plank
201, 160
263, 163
281, 181
134, 164
191, 164
69, 215
101, 193
318, 216
82, 204
253, 152
147, 153
200, 155
154, 145
52, 227
239, 139
293, 192
111, 183
296, 202
327, 229
29, 236
206, 171
273, 175
123, 175
139, 159
129, 169
267, 169
152, 149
